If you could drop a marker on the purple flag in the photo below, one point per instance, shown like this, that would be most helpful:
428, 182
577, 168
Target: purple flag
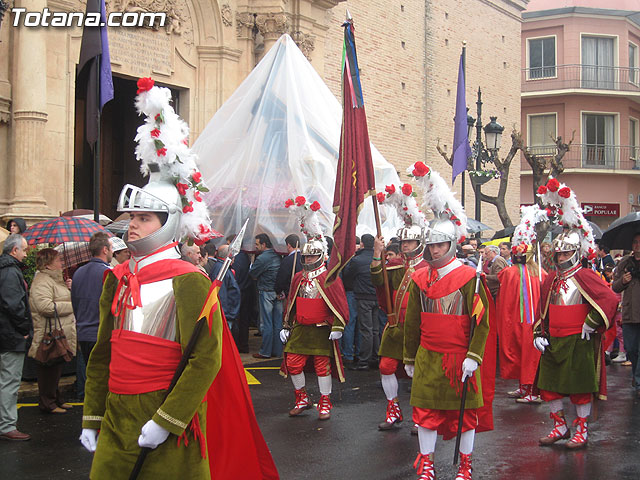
461, 148
94, 70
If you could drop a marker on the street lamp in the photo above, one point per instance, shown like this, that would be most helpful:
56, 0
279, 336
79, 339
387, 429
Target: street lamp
481, 153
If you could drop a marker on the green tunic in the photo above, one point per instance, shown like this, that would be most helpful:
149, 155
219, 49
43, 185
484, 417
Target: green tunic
568, 364
431, 388
121, 417
392, 336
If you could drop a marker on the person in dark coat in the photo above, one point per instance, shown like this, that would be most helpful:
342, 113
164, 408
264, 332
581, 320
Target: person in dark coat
283, 279
229, 293
241, 264
16, 225
358, 273
15, 328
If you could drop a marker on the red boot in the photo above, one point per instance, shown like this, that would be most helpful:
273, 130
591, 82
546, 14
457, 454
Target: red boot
464, 469
303, 402
424, 467
324, 408
559, 424
579, 440
394, 415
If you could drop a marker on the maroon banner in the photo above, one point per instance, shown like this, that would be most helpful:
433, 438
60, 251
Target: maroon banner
355, 176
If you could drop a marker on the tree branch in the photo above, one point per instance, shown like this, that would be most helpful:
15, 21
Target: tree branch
444, 155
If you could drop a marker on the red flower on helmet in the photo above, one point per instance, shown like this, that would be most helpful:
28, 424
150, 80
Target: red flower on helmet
420, 169
205, 229
187, 208
315, 206
182, 188
564, 192
462, 239
390, 189
155, 133
288, 203
300, 200
381, 197
197, 177
197, 196
407, 189
553, 185
161, 152
550, 213
542, 190
145, 84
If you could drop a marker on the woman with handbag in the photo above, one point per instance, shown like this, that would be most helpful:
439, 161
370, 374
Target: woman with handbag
54, 328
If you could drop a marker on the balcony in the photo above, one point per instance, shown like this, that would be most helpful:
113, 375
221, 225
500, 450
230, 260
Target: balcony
591, 157
584, 77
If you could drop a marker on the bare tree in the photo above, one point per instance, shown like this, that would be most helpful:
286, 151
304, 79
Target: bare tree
545, 166
542, 167
502, 167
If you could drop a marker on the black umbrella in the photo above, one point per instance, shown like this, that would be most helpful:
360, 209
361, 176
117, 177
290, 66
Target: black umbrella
474, 226
597, 231
620, 233
505, 232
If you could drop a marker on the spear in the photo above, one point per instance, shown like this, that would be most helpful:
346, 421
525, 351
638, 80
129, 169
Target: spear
465, 384
186, 355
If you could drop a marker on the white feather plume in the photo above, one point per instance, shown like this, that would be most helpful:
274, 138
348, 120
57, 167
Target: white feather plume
439, 198
405, 205
525, 231
307, 218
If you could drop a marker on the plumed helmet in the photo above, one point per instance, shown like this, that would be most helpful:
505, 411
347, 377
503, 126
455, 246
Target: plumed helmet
567, 241
416, 233
158, 197
310, 249
442, 230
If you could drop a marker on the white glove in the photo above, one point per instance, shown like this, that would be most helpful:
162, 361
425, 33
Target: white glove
335, 335
152, 435
468, 367
89, 438
540, 343
284, 335
409, 369
587, 331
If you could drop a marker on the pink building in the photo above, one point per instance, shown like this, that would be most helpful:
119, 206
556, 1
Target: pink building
581, 79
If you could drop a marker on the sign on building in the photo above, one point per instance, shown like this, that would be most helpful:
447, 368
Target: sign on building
601, 209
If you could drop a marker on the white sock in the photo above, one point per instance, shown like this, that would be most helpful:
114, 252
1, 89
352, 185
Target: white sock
427, 440
583, 410
390, 385
298, 381
466, 441
555, 405
324, 384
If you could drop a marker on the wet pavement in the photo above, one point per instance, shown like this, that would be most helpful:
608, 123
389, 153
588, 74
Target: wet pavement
350, 446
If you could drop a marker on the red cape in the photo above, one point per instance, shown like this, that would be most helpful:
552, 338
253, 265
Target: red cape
454, 280
235, 443
518, 357
600, 296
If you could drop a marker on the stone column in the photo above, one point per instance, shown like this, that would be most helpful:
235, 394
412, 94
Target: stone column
271, 27
27, 158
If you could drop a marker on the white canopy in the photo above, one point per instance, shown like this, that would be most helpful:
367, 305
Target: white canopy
276, 137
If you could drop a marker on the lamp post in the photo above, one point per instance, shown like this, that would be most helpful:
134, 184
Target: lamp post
483, 152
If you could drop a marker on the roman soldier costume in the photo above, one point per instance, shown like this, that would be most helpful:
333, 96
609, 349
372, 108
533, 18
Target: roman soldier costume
399, 274
577, 307
438, 351
314, 319
516, 305
148, 310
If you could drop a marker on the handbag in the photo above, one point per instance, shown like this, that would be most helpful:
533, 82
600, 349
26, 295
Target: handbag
53, 348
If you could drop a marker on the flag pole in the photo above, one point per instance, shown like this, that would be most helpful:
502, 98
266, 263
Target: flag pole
96, 150
464, 72
385, 275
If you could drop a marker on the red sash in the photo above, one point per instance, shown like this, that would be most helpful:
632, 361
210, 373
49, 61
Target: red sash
449, 335
311, 311
141, 363
565, 320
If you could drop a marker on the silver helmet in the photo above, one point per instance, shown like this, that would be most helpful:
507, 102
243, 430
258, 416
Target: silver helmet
441, 230
416, 233
310, 249
567, 241
159, 197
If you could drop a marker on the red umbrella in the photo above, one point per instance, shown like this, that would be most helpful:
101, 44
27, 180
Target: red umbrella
61, 230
